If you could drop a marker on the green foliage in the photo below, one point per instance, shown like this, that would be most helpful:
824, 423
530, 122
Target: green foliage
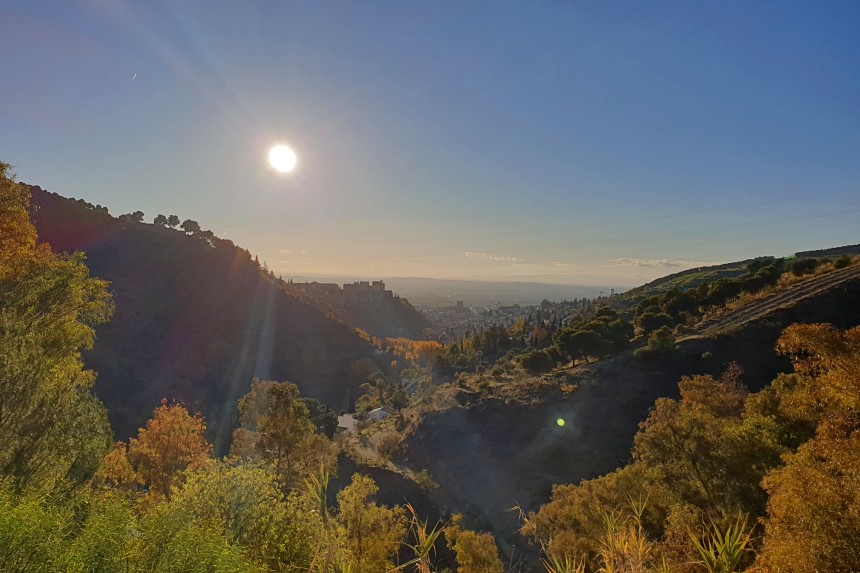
565, 564
323, 417
60, 532
190, 227
537, 361
842, 262
707, 450
171, 541
579, 343
800, 267
80, 532
662, 340
247, 503
50, 426
423, 542
276, 429
723, 550
649, 322
476, 552
371, 533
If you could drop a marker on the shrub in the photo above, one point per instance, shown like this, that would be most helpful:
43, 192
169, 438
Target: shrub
800, 267
537, 361
662, 340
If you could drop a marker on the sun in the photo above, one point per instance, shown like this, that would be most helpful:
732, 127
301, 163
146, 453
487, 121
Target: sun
282, 158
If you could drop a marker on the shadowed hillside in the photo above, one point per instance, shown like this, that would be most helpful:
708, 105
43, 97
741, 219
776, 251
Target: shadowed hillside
370, 307
496, 452
196, 319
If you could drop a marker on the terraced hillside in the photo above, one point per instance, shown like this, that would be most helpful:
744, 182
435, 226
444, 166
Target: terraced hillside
783, 299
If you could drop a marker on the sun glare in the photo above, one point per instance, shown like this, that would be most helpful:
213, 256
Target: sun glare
282, 158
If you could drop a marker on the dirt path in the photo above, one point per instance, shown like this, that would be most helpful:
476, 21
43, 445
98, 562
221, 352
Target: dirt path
760, 309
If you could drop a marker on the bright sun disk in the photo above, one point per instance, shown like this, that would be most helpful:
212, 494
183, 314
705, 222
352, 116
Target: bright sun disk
282, 158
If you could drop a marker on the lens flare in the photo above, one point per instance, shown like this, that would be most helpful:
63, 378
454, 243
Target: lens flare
560, 422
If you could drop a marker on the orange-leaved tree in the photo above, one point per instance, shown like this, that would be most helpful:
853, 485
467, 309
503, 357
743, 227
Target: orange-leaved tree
171, 442
813, 519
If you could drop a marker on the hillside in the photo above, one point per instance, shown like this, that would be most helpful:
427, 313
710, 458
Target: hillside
195, 320
683, 280
368, 306
498, 451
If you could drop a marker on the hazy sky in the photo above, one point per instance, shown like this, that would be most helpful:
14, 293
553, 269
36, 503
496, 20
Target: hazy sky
572, 142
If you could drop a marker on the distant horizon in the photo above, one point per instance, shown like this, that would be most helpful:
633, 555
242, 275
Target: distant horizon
349, 277
659, 268
564, 143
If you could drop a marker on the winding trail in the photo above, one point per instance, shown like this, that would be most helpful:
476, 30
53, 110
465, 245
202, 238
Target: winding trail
783, 299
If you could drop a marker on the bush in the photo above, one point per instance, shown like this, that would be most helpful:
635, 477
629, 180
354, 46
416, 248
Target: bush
662, 340
800, 267
388, 443
842, 262
537, 361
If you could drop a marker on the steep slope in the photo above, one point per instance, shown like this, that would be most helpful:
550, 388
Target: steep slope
195, 320
390, 317
683, 280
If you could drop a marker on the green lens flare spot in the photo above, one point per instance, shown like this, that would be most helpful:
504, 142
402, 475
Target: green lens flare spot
560, 422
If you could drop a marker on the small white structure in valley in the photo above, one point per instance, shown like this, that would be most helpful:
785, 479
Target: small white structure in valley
346, 422
378, 413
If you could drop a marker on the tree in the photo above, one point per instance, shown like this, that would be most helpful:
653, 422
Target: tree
276, 429
585, 343
323, 417
371, 532
708, 449
115, 470
813, 521
247, 502
17, 233
399, 399
190, 227
476, 552
208, 236
51, 427
650, 322
171, 442
537, 361
160, 220
172, 221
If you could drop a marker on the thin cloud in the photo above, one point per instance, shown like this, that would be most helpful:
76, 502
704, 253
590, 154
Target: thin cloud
285, 252
660, 263
489, 257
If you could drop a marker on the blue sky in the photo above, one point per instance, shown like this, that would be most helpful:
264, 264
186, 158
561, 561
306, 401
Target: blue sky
568, 142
